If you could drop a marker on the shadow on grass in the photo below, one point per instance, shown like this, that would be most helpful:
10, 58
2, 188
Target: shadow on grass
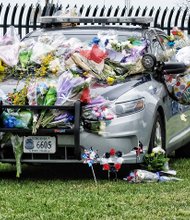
61, 171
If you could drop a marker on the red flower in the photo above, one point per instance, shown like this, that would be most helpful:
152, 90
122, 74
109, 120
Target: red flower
112, 152
117, 166
174, 32
178, 83
85, 96
106, 167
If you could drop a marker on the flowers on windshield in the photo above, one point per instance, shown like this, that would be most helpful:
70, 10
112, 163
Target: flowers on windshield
51, 56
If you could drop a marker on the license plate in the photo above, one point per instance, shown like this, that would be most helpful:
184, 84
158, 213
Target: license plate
39, 144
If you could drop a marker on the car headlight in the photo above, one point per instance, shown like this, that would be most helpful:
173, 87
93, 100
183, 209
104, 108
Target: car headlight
130, 107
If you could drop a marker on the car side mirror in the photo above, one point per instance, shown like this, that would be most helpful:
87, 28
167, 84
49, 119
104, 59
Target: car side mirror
149, 62
173, 67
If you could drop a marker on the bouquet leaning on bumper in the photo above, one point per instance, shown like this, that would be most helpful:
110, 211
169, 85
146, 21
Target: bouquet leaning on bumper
156, 160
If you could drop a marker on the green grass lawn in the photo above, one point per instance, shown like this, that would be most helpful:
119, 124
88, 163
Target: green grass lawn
60, 198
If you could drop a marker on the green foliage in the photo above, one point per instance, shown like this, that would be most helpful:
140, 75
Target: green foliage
63, 199
155, 161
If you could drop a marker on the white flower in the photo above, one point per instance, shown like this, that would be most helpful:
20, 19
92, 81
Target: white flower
54, 65
88, 80
157, 150
125, 43
113, 41
183, 117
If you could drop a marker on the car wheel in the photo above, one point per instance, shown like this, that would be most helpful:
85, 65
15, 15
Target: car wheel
158, 134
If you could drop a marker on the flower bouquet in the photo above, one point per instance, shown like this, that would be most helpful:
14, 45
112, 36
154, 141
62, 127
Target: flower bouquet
48, 100
17, 143
156, 160
20, 119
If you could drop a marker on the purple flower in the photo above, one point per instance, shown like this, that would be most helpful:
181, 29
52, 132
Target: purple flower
66, 83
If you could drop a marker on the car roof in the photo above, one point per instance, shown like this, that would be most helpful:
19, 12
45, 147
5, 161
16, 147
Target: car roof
91, 25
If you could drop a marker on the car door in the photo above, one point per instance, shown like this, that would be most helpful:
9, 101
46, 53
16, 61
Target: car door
178, 124
178, 115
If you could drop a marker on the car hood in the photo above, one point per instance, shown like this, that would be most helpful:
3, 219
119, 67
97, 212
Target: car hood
115, 91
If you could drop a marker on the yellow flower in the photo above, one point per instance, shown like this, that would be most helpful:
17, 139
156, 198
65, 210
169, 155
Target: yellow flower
2, 68
110, 80
85, 73
180, 33
41, 71
54, 70
19, 98
47, 59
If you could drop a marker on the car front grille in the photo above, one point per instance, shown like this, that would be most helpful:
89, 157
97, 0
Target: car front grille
63, 154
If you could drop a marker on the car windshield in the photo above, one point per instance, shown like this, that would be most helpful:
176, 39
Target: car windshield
110, 53
86, 33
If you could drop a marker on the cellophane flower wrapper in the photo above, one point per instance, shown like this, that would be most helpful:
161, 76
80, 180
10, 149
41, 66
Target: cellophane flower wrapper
25, 53
9, 47
114, 55
101, 112
142, 176
68, 87
3, 96
17, 143
21, 119
97, 115
62, 121
183, 55
49, 100
94, 69
106, 36
36, 96
181, 88
94, 53
68, 12
32, 94
155, 161
24, 57
40, 50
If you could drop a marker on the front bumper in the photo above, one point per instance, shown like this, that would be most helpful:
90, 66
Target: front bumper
123, 134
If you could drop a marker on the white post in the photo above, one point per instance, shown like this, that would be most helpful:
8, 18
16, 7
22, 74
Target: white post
128, 5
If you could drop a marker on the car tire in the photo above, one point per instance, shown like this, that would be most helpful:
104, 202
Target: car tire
158, 134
